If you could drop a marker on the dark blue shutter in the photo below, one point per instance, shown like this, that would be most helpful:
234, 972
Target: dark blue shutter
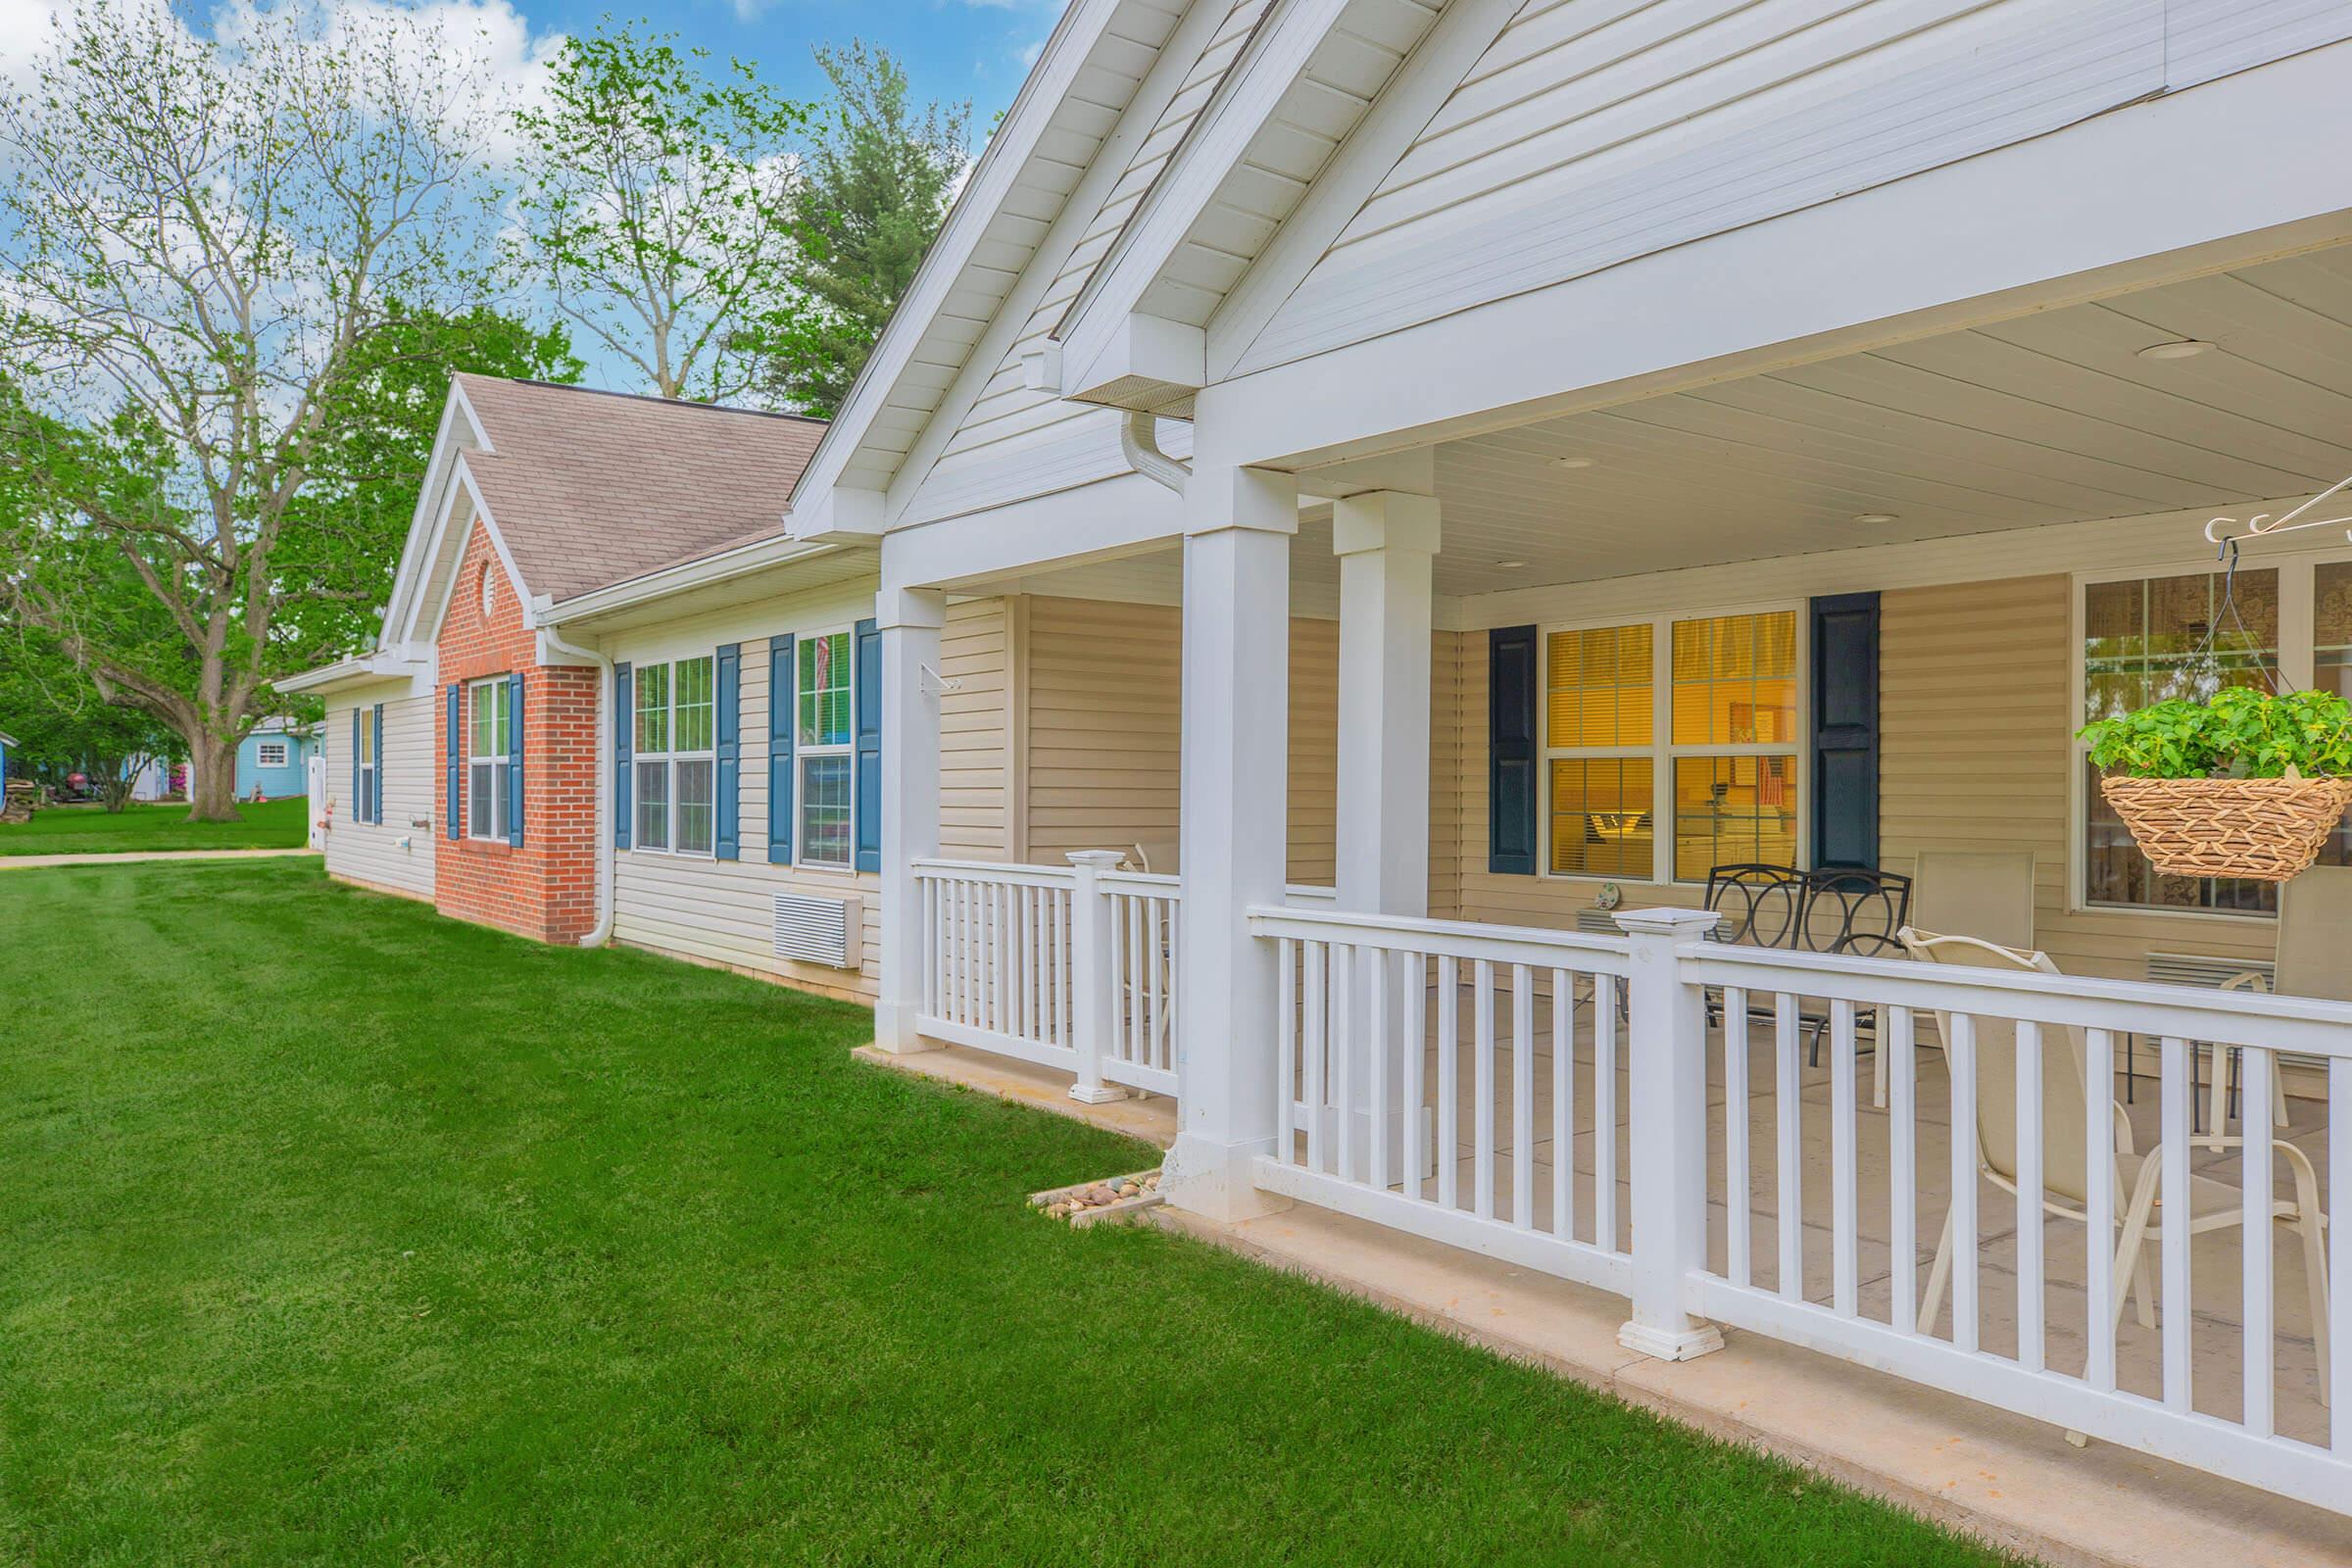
375, 779
623, 770
868, 700
1511, 686
457, 773
727, 769
515, 768
780, 701
1845, 731
359, 797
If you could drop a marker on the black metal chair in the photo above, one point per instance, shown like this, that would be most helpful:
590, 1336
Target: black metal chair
1857, 910
1760, 904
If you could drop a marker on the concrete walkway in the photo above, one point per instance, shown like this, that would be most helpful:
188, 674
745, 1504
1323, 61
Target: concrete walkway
2002, 1477
28, 863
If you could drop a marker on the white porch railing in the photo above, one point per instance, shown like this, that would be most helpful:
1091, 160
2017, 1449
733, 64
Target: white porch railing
1464, 1083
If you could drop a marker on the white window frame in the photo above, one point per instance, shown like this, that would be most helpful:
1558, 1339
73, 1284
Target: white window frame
501, 790
368, 766
1662, 749
262, 751
669, 757
2298, 608
803, 753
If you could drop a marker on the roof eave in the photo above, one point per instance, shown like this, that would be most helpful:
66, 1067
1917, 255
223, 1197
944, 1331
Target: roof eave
763, 555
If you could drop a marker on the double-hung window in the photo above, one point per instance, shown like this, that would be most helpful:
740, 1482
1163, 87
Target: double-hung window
676, 772
489, 757
1691, 723
363, 808
824, 745
270, 754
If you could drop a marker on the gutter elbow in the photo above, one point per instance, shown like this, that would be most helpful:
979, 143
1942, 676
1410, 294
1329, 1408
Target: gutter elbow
1138, 441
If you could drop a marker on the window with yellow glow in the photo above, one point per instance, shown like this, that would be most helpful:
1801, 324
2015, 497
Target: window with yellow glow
1725, 783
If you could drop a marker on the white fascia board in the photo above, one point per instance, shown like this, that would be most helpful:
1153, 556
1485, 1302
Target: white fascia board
765, 555
2215, 176
839, 515
462, 486
1000, 164
367, 669
415, 556
1253, 89
7, 739
1097, 521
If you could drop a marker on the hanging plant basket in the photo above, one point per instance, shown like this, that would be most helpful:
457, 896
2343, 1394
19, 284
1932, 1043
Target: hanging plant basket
2259, 829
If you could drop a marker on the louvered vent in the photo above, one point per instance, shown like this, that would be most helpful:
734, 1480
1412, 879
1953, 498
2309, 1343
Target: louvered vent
2202, 968
819, 930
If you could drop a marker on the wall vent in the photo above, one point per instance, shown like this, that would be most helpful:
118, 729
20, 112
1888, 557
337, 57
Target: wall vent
819, 930
2202, 968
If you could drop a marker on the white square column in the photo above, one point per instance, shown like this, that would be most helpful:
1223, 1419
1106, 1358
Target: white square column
1386, 542
908, 620
1235, 807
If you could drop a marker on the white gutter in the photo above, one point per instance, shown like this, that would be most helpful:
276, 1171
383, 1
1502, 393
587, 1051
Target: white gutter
601, 932
1138, 440
742, 561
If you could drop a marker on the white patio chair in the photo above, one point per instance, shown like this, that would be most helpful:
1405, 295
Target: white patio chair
2066, 1177
1986, 894
2315, 921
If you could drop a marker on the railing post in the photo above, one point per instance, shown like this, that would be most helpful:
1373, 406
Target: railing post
1090, 1003
1666, 1061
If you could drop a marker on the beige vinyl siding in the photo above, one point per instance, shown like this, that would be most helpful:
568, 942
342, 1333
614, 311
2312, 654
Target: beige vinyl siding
975, 775
371, 854
1450, 792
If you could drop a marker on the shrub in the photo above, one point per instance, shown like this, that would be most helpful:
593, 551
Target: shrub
2240, 734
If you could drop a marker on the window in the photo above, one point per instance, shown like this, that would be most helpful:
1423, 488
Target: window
824, 736
271, 753
676, 772
363, 808
489, 758
1722, 770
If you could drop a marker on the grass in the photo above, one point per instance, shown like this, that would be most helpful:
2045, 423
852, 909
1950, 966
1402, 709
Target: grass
341, 1233
91, 830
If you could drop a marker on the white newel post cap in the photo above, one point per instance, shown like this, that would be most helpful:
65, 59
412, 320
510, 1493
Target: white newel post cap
1667, 923
1097, 859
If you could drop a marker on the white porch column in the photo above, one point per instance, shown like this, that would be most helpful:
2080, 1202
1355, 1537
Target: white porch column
1666, 1124
1233, 804
908, 620
1386, 541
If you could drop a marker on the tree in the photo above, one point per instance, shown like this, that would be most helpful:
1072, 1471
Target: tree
203, 244
655, 209
878, 183
62, 726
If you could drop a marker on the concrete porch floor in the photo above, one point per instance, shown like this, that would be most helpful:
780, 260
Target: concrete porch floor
2012, 1481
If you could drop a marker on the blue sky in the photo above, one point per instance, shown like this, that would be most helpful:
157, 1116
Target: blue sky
952, 49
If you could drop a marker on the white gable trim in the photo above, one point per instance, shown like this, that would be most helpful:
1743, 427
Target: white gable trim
460, 429
463, 487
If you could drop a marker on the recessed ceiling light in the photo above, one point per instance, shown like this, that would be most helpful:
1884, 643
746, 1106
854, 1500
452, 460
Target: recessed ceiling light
1874, 516
1572, 463
1509, 565
2187, 348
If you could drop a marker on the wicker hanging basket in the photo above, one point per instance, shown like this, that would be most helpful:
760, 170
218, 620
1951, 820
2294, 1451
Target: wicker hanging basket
2260, 829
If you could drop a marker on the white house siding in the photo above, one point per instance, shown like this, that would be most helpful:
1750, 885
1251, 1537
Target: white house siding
1014, 441
395, 856
1594, 131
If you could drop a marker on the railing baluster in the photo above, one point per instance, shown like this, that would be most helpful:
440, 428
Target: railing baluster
1376, 997
1482, 1013
1564, 1104
2032, 1345
1286, 1048
2174, 1205
1449, 1028
1789, 1199
2098, 1140
1343, 1055
1523, 1097
1737, 1200
1845, 1241
1902, 1167
2335, 1370
2258, 1323
1412, 1001
1604, 1113
1316, 1022
1963, 1220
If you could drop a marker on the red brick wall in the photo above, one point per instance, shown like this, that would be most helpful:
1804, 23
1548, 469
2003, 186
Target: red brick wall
547, 887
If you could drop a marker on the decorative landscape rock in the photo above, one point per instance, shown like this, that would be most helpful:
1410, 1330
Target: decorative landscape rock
1117, 1198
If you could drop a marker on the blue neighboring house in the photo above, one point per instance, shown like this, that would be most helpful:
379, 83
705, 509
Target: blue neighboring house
277, 757
7, 740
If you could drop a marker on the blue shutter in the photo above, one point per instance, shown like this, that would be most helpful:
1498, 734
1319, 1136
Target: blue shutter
726, 770
359, 802
1511, 750
781, 695
376, 781
1845, 731
457, 799
867, 678
623, 770
515, 768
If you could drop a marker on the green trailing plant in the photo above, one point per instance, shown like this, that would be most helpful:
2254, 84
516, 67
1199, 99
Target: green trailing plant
2240, 733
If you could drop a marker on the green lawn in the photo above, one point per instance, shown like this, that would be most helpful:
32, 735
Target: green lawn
336, 1232
89, 830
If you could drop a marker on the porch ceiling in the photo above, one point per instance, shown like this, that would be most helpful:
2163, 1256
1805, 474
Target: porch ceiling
2044, 419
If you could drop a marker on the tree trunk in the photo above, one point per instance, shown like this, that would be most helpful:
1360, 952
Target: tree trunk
212, 780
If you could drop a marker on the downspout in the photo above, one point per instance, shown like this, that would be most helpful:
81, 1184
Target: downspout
1139, 439
601, 932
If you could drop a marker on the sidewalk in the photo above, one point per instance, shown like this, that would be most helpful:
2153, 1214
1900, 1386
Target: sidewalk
130, 856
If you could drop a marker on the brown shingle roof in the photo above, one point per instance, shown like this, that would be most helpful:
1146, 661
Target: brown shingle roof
590, 488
